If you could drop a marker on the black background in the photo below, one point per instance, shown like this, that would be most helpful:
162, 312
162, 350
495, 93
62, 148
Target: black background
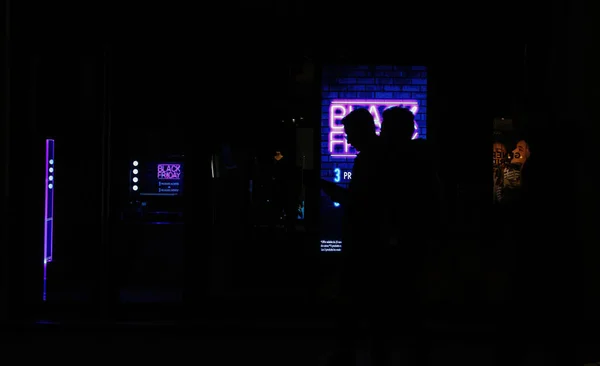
156, 57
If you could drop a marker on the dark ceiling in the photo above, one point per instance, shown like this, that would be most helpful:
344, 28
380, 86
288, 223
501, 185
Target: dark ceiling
159, 54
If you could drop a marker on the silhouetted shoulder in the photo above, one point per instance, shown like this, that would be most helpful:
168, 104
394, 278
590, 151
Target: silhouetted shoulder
422, 148
420, 144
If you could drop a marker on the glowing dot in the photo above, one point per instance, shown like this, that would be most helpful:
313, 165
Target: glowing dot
135, 163
135, 171
50, 178
135, 188
51, 161
50, 186
51, 170
135, 179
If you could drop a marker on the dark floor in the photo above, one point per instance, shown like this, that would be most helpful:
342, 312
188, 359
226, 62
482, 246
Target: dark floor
154, 269
281, 342
269, 303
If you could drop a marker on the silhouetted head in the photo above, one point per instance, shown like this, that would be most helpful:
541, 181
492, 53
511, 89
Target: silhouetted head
359, 126
398, 125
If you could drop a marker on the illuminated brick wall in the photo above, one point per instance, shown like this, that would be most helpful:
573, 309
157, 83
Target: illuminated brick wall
367, 83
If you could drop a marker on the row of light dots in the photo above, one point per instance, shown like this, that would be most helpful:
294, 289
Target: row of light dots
51, 171
135, 179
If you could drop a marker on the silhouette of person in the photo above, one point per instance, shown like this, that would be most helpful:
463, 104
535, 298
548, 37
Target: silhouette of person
359, 234
398, 127
408, 199
283, 198
419, 189
358, 199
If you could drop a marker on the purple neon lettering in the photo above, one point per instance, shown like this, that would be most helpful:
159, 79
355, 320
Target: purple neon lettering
338, 109
168, 171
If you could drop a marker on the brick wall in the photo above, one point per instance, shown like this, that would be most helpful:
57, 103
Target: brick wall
368, 82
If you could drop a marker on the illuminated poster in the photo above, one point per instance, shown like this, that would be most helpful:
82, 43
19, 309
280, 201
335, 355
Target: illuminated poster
510, 156
500, 160
344, 89
156, 178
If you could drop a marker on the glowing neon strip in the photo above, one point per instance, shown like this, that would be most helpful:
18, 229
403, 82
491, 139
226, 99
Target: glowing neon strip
389, 102
340, 108
48, 209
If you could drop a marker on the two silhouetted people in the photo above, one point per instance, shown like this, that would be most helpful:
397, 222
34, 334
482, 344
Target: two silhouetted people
393, 187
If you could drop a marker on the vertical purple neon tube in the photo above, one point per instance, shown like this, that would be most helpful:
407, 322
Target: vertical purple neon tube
48, 209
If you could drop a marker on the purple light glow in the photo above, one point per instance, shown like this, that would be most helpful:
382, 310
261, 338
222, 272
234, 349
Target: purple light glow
341, 108
48, 208
168, 171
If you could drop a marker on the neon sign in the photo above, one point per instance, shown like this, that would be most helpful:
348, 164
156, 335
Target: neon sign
337, 144
168, 171
48, 209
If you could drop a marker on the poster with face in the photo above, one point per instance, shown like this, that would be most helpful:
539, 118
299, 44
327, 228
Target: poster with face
510, 156
499, 161
507, 169
520, 154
